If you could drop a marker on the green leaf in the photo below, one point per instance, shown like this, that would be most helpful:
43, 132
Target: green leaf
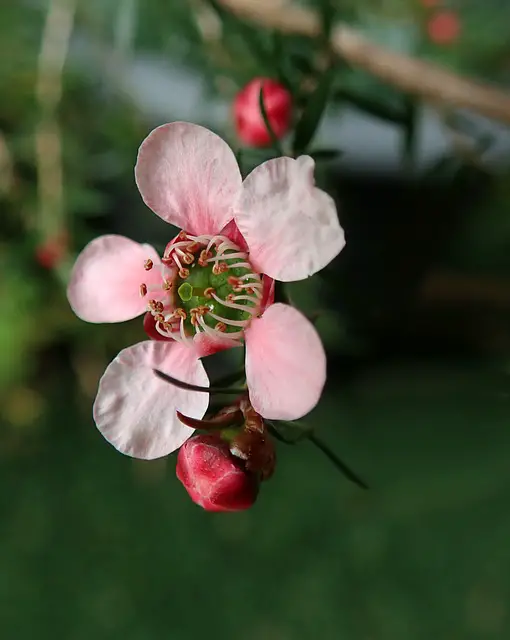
409, 132
312, 113
337, 462
289, 432
326, 155
249, 36
327, 11
376, 108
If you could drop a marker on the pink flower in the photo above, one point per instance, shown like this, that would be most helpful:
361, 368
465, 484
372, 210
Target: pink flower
213, 477
211, 290
250, 125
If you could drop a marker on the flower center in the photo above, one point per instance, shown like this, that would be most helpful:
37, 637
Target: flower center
208, 286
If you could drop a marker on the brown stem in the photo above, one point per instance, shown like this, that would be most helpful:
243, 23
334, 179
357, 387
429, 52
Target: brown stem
423, 79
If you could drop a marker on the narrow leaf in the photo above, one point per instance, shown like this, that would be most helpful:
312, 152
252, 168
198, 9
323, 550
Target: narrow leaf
274, 138
288, 432
312, 113
339, 464
194, 387
376, 108
249, 36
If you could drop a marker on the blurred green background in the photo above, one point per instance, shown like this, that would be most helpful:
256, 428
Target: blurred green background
415, 317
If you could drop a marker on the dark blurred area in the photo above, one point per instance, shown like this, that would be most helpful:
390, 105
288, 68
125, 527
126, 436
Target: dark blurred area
414, 314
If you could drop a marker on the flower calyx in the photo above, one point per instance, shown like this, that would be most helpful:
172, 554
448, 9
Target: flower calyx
245, 432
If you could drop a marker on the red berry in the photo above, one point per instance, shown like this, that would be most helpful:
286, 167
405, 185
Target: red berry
443, 27
213, 478
249, 122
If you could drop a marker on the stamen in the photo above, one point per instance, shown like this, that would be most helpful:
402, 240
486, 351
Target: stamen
183, 273
235, 336
220, 267
235, 323
143, 290
220, 326
250, 275
156, 306
234, 298
228, 256
209, 292
182, 332
204, 257
148, 264
233, 305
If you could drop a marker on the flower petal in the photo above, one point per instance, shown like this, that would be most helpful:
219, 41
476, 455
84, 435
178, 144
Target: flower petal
206, 344
105, 281
188, 176
291, 227
136, 411
285, 364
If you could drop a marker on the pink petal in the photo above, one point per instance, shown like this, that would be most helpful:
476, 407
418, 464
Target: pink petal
206, 344
268, 290
136, 411
291, 227
105, 281
285, 364
188, 176
232, 232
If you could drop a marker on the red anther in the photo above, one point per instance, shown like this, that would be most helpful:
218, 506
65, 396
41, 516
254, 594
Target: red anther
148, 264
208, 292
156, 306
143, 290
188, 258
219, 267
203, 258
220, 326
183, 273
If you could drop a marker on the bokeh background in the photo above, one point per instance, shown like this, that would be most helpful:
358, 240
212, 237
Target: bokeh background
415, 317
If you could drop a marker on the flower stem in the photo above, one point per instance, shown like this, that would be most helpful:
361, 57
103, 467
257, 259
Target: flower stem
194, 387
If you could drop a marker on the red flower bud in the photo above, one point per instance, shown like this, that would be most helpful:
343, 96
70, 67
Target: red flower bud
249, 122
213, 477
443, 27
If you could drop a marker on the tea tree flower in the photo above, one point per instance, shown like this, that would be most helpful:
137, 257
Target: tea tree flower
211, 289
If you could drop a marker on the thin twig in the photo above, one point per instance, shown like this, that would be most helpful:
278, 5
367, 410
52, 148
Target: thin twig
417, 77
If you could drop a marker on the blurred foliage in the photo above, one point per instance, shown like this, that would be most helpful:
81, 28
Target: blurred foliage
414, 313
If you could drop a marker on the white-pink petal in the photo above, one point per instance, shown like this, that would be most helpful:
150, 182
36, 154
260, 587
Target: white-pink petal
105, 281
290, 225
285, 364
136, 411
188, 176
